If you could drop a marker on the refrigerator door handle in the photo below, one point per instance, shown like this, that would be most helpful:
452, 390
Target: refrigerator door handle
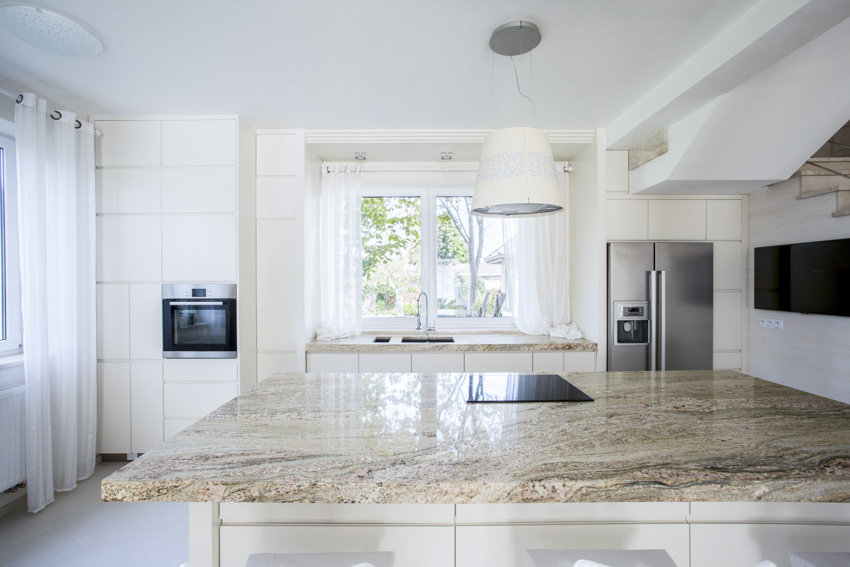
662, 317
653, 296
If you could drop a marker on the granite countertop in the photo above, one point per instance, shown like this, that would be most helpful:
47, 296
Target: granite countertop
463, 342
410, 438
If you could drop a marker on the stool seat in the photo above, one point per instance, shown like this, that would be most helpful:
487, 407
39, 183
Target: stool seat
820, 559
377, 559
612, 557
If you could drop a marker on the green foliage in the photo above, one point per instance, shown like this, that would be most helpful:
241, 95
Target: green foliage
450, 244
389, 226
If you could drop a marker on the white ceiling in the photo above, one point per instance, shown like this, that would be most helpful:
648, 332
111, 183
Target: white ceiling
370, 64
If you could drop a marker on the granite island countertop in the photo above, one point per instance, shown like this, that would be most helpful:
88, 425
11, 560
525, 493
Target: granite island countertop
463, 342
717, 436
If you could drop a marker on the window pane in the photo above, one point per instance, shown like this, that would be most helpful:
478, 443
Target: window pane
390, 236
470, 262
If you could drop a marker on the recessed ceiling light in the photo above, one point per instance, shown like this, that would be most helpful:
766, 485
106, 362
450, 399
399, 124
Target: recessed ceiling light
360, 156
49, 31
446, 156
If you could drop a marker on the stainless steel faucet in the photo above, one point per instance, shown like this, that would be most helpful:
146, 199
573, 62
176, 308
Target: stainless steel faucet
418, 319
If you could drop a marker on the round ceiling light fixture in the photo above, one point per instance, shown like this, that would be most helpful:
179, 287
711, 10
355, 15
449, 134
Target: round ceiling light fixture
515, 38
49, 31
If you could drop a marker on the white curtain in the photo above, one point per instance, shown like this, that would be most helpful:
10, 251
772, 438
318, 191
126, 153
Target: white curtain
537, 259
340, 253
56, 216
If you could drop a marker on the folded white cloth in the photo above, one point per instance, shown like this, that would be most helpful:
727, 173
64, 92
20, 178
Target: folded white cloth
569, 331
328, 334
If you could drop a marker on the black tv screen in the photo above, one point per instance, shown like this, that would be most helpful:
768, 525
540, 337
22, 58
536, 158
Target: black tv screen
810, 277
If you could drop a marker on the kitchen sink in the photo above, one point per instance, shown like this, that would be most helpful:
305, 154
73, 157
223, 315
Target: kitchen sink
424, 339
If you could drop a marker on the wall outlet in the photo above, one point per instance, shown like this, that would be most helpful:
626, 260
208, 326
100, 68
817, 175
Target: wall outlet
772, 324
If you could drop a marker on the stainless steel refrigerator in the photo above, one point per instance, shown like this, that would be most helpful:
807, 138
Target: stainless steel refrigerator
660, 305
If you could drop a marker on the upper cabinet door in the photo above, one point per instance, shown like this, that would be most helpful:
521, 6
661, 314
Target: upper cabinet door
128, 143
677, 219
199, 142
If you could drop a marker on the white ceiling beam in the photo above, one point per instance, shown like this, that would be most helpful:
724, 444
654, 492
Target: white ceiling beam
769, 31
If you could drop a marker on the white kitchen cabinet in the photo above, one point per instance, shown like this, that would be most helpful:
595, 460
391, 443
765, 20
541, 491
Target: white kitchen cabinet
172, 427
201, 371
432, 362
201, 248
679, 219
268, 364
498, 362
128, 190
414, 546
278, 154
745, 544
728, 265
724, 219
727, 361
547, 362
504, 546
188, 400
199, 142
113, 321
128, 143
199, 190
145, 321
727, 320
384, 362
277, 285
627, 219
113, 407
579, 361
332, 362
145, 406
129, 248
276, 197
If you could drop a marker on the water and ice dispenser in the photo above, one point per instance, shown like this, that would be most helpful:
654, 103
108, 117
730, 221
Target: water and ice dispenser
631, 319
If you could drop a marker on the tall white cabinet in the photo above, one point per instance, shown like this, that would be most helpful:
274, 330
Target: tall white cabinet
167, 212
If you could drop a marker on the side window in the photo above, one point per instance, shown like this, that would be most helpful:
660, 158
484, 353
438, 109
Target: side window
10, 281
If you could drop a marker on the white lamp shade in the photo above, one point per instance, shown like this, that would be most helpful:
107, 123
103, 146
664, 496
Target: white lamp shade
516, 175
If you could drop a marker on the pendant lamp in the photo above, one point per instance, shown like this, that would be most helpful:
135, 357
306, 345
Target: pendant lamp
516, 173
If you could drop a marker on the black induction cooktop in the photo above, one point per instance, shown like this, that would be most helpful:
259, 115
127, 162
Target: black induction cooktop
511, 387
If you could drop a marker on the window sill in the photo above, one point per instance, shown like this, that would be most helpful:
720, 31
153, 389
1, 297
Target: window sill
11, 360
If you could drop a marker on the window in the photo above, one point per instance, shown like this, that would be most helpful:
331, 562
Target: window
425, 240
10, 281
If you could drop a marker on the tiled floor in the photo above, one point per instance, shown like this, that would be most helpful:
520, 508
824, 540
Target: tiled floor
80, 530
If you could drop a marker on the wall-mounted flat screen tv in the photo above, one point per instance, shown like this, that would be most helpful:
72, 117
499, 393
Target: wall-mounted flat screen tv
810, 277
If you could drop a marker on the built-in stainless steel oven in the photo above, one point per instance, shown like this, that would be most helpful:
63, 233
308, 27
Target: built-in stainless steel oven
199, 320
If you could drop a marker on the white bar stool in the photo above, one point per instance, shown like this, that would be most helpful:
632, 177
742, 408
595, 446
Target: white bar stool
819, 559
608, 557
372, 559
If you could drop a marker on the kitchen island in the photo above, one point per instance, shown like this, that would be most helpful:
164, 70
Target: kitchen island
402, 462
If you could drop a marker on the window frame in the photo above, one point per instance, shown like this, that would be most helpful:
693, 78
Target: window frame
428, 193
10, 254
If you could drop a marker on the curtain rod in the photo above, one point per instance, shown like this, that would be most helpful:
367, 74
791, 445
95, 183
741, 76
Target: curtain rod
363, 169
9, 94
563, 167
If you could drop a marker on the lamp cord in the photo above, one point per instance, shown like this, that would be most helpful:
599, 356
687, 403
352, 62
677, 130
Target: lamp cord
519, 90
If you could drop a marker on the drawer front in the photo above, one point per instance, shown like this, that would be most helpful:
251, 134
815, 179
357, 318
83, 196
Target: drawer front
498, 362
185, 401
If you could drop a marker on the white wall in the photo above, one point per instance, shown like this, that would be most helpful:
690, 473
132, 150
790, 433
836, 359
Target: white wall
812, 352
587, 243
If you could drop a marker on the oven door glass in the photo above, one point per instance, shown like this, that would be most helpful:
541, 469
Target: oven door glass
196, 327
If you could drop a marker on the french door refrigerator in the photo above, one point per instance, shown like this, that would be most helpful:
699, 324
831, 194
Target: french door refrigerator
660, 304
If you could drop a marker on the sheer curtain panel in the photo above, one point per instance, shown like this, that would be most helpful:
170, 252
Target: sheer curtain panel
55, 159
340, 252
537, 273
